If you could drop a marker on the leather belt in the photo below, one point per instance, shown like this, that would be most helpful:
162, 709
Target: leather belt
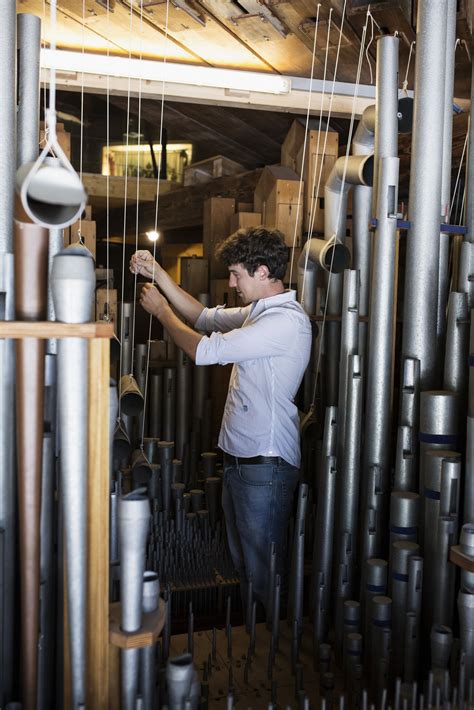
253, 460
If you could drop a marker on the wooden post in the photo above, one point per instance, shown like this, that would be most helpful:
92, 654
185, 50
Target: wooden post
98, 526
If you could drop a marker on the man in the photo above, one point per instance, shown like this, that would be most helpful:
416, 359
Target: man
269, 342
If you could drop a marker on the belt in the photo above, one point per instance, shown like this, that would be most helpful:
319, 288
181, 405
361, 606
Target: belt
253, 460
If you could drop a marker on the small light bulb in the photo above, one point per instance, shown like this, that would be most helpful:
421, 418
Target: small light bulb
153, 235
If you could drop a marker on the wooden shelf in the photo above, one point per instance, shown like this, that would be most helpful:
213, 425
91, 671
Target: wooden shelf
151, 628
53, 329
461, 559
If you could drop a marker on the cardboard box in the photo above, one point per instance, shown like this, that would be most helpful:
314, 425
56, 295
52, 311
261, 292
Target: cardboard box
279, 199
217, 214
242, 220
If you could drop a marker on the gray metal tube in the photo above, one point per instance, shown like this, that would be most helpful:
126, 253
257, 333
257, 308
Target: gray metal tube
401, 552
154, 405
126, 314
151, 598
179, 679
466, 271
466, 633
56, 244
466, 542
444, 571
169, 404
29, 44
404, 516
444, 244
374, 521
441, 642
295, 601
382, 319
386, 102
457, 349
469, 477
323, 549
439, 423
406, 478
183, 401
7, 347
374, 583
422, 259
73, 286
348, 346
318, 256
348, 490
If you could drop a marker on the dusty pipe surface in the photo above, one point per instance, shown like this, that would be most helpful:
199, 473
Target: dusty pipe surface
348, 347
457, 350
151, 597
31, 260
73, 286
422, 259
29, 44
406, 478
126, 313
179, 678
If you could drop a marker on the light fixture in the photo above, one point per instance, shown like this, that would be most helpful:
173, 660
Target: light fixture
150, 70
153, 235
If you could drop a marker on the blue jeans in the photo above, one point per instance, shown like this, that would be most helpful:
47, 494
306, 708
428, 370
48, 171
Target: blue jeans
257, 501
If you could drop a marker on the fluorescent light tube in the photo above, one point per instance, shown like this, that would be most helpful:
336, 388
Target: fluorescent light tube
148, 70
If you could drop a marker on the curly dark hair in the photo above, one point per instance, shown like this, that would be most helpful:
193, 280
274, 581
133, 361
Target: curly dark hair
254, 247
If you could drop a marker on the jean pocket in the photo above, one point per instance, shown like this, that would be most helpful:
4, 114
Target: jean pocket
257, 474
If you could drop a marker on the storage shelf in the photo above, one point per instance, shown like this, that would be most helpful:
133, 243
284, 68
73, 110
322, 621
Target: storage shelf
53, 329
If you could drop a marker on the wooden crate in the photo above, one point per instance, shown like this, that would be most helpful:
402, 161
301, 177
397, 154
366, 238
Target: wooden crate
242, 220
206, 170
105, 307
277, 197
244, 207
324, 151
194, 275
217, 213
64, 138
222, 294
87, 229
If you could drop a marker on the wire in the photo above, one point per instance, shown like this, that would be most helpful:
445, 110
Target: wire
305, 141
150, 323
458, 176
405, 81
82, 110
107, 177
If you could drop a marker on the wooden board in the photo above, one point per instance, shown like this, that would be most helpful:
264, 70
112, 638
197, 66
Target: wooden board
242, 220
217, 213
211, 168
152, 625
52, 329
96, 188
279, 198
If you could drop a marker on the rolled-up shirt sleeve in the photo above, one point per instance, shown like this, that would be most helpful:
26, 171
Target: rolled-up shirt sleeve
221, 318
265, 337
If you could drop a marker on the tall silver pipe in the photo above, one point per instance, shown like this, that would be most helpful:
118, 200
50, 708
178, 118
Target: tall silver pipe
139, 367
354, 170
412, 618
444, 244
404, 516
406, 478
466, 542
400, 555
374, 583
468, 513
420, 318
295, 602
183, 401
441, 642
73, 286
373, 519
151, 598
7, 347
47, 575
179, 679
348, 491
323, 549
318, 256
349, 345
382, 312
56, 244
169, 404
29, 44
363, 144
466, 271
466, 632
439, 422
126, 314
444, 571
155, 405
457, 350
134, 518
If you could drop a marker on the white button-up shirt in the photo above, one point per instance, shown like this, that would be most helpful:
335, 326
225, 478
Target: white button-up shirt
269, 343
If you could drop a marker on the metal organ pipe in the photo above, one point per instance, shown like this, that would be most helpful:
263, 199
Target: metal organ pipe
422, 258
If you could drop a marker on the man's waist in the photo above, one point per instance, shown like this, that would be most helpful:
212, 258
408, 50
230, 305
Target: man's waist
231, 460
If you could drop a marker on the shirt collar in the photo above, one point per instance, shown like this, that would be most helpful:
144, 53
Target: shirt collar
263, 303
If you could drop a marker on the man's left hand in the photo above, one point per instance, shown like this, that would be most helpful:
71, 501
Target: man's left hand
152, 300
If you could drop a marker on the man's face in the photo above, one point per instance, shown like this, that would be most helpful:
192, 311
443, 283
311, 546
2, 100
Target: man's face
247, 286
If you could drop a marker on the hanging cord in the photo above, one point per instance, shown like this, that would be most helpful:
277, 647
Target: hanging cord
134, 317
405, 81
314, 197
318, 143
147, 369
79, 232
125, 201
107, 179
348, 149
305, 142
372, 22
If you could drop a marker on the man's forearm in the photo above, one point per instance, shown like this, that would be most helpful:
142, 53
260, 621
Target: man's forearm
185, 338
184, 303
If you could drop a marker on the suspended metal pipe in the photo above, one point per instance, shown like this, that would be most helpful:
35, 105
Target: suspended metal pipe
422, 259
457, 350
73, 287
183, 401
318, 255
151, 598
29, 45
349, 345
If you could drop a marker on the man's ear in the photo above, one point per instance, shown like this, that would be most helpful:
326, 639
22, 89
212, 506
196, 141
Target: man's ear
263, 271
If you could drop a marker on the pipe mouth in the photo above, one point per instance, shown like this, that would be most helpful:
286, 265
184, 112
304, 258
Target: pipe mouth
405, 114
337, 258
368, 171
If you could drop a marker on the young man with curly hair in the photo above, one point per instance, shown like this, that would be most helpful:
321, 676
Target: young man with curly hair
268, 340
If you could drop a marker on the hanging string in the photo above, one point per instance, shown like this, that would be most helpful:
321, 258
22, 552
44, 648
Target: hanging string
458, 176
138, 191
150, 322
107, 178
125, 199
369, 14
348, 148
300, 188
79, 232
466, 47
405, 81
314, 190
